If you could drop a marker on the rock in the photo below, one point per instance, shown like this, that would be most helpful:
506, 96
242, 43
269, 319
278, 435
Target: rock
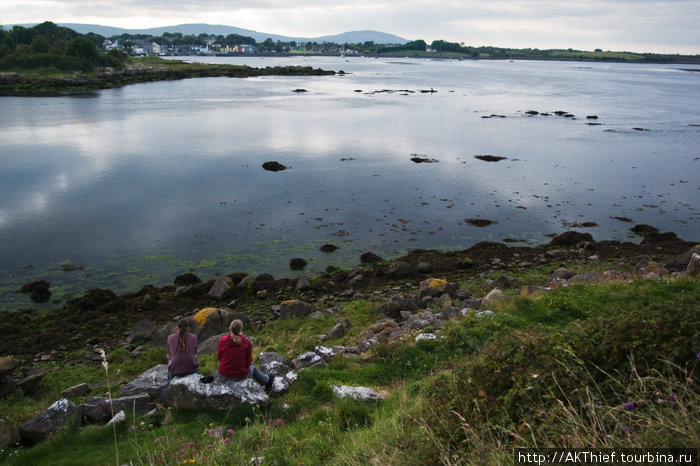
187, 279
308, 359
141, 330
221, 394
426, 336
329, 248
8, 364
494, 295
693, 267
570, 238
141, 403
282, 384
45, 424
435, 287
297, 263
38, 291
28, 384
561, 273
159, 335
76, 391
397, 303
357, 393
337, 331
245, 281
398, 269
486, 313
274, 364
273, 166
95, 410
680, 262
355, 280
294, 308
210, 345
370, 258
150, 382
212, 321
119, 417
302, 284
220, 286
9, 436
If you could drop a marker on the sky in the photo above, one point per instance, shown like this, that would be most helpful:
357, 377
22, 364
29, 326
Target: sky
671, 26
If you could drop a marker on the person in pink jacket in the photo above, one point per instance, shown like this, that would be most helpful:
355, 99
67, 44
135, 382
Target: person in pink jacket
182, 351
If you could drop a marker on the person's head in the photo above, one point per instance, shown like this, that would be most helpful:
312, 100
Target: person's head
183, 328
236, 327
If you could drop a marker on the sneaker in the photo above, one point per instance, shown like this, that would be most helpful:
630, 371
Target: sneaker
268, 385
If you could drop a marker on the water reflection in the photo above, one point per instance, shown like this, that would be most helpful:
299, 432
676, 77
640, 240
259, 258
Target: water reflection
151, 179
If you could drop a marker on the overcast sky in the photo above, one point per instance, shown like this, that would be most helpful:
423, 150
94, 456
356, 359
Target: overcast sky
671, 26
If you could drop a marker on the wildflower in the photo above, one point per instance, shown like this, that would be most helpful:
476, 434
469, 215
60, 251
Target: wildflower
191, 444
157, 440
227, 440
231, 432
697, 355
629, 406
210, 446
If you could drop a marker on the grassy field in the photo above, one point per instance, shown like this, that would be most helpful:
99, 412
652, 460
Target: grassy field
611, 365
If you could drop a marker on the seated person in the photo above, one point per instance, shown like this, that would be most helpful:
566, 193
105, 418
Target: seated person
235, 355
182, 351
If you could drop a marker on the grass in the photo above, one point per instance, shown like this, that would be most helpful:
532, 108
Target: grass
611, 365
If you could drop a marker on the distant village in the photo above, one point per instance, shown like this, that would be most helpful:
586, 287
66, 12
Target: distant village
177, 44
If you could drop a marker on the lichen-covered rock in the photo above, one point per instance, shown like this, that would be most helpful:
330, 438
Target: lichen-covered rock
220, 286
435, 287
45, 424
221, 394
493, 296
274, 364
81, 389
357, 393
693, 267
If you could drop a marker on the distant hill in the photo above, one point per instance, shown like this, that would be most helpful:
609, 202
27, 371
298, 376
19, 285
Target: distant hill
352, 37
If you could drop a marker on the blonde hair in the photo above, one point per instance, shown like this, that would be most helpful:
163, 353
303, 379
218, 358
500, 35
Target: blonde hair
236, 327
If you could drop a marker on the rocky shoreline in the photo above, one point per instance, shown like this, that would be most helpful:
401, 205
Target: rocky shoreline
102, 317
33, 84
412, 295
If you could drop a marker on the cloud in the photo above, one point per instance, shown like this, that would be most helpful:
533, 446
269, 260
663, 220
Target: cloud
638, 25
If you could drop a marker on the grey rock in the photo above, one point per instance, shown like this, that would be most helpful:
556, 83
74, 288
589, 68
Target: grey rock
221, 394
436, 287
247, 280
95, 410
680, 262
303, 284
76, 391
141, 330
693, 267
493, 296
210, 345
399, 269
308, 359
220, 286
45, 424
274, 364
282, 384
151, 382
118, 418
294, 308
29, 384
357, 393
397, 303
140, 403
426, 336
485, 313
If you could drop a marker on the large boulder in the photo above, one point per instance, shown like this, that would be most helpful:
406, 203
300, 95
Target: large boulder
212, 321
220, 286
693, 267
45, 424
141, 330
293, 308
100, 409
151, 382
220, 394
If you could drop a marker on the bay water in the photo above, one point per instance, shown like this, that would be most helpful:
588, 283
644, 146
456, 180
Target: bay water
125, 187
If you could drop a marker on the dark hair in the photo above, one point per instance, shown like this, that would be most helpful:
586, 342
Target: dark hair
236, 327
183, 328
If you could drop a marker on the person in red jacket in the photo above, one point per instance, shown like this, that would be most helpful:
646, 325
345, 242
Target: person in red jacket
235, 355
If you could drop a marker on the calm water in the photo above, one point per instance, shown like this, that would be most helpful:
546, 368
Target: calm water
136, 185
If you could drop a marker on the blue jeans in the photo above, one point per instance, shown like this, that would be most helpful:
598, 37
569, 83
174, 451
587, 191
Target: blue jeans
259, 377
